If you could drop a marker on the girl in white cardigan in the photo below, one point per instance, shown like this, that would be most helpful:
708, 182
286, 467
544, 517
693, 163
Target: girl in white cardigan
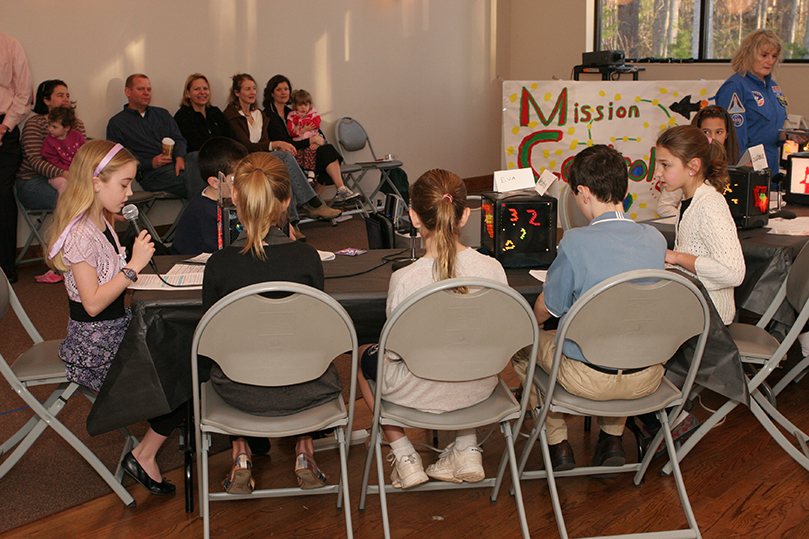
707, 243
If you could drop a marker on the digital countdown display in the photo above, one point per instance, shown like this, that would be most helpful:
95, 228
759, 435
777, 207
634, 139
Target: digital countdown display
519, 228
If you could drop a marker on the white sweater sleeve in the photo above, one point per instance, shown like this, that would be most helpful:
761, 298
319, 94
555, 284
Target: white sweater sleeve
723, 265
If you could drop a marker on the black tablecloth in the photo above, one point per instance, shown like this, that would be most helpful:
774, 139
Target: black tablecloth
150, 374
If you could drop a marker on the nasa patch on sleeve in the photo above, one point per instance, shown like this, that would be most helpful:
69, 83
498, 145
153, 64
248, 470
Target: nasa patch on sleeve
738, 119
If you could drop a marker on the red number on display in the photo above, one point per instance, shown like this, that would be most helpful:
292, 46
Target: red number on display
514, 215
533, 217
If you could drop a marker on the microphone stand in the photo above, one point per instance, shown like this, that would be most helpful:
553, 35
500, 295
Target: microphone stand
778, 179
399, 264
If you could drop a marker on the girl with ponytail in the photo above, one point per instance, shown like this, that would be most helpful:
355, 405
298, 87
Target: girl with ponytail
263, 252
706, 244
438, 210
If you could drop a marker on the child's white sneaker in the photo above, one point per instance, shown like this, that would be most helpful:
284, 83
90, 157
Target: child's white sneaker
344, 194
803, 339
457, 466
407, 471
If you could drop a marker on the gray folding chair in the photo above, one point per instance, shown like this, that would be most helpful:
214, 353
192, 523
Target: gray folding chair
351, 138
41, 365
760, 349
269, 342
569, 213
450, 337
619, 324
34, 219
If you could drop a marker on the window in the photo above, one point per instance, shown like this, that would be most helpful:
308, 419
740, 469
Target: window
698, 29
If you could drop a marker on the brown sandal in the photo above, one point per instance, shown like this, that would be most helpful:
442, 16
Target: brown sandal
309, 475
240, 480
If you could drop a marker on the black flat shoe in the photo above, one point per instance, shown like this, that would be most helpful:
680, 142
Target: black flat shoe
134, 470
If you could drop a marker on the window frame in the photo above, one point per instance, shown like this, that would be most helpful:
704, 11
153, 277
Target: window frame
597, 5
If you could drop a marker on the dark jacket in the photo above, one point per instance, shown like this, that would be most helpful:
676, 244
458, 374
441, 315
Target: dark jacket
197, 128
241, 131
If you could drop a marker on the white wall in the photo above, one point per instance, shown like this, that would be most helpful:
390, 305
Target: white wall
421, 75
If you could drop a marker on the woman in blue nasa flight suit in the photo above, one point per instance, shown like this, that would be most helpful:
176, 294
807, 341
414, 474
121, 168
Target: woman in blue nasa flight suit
756, 104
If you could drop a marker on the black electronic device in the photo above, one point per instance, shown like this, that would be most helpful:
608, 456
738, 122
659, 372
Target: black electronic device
518, 228
797, 181
602, 58
748, 196
229, 226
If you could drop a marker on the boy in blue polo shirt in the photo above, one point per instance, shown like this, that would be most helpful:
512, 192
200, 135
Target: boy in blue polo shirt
612, 244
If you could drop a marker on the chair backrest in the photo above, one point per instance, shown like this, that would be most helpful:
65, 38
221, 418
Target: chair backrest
8, 297
569, 213
446, 336
636, 319
274, 342
351, 136
798, 280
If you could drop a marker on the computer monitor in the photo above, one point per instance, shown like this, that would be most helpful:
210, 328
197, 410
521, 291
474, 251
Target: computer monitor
797, 181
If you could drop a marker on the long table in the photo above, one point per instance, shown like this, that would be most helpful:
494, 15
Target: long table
150, 375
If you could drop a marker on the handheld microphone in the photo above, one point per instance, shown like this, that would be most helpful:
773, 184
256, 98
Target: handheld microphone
130, 213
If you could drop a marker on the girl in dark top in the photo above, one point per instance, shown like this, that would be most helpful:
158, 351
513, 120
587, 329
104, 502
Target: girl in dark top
327, 159
197, 119
261, 193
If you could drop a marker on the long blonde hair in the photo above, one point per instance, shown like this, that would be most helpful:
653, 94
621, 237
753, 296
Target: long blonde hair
79, 195
439, 199
261, 182
745, 56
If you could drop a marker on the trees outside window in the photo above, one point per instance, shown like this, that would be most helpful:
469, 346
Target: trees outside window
698, 29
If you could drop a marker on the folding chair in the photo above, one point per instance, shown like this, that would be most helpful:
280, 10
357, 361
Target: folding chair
619, 324
41, 365
34, 219
262, 341
757, 347
450, 337
569, 213
351, 137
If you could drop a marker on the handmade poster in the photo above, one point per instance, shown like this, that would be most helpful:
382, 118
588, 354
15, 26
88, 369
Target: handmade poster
546, 123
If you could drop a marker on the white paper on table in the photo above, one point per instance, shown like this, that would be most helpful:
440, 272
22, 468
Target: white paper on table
794, 227
539, 275
180, 274
325, 255
201, 258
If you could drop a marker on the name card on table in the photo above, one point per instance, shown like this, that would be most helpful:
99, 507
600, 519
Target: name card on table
755, 157
544, 182
513, 180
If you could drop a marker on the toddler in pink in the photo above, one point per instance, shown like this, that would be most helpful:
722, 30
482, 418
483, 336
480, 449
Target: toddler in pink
63, 140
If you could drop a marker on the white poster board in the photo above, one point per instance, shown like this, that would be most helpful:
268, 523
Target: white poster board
546, 123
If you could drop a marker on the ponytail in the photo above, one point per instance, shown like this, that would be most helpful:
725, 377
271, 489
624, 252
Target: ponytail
261, 182
439, 199
716, 169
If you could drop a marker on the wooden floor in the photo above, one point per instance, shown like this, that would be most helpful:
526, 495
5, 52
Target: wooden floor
741, 484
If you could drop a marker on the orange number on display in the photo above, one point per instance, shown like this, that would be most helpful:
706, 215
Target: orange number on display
514, 216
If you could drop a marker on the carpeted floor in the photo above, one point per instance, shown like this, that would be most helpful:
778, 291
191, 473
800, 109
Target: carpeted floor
51, 476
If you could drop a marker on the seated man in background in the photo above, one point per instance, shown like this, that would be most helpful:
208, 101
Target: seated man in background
612, 244
141, 128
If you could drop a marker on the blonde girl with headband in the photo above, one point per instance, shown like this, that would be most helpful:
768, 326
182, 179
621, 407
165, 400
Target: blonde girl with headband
83, 245
261, 193
439, 210
706, 243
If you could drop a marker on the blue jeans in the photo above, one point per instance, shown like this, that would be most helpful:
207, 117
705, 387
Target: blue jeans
36, 193
302, 192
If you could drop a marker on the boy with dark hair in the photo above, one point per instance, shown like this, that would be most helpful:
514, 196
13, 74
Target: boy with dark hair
612, 244
197, 230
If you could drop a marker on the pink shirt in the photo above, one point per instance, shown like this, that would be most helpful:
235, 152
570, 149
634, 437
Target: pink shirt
86, 243
16, 85
60, 153
296, 121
